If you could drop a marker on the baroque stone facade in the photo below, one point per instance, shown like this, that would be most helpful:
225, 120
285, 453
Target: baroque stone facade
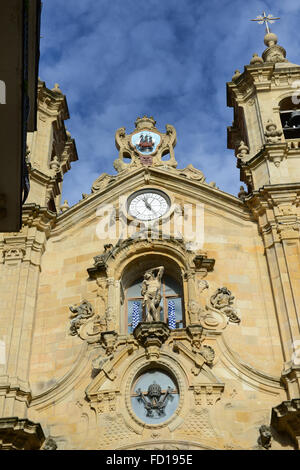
159, 312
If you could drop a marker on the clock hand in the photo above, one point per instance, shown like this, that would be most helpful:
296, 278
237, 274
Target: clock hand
148, 206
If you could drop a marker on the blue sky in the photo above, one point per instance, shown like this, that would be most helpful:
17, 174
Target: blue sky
119, 59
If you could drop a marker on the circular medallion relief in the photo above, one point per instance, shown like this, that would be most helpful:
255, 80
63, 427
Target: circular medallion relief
154, 397
145, 142
148, 204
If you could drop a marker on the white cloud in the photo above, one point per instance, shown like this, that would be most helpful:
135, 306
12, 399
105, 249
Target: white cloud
118, 60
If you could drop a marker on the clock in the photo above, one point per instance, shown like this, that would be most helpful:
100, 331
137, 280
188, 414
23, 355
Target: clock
148, 204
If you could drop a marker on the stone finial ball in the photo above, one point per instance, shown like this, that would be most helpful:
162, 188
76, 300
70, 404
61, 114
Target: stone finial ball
270, 39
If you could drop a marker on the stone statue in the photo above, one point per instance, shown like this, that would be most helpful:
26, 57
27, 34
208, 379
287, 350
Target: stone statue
80, 313
151, 292
222, 300
50, 444
265, 437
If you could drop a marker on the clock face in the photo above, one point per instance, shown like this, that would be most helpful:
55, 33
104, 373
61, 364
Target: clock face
148, 204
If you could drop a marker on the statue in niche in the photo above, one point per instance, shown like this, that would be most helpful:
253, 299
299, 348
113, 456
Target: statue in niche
151, 287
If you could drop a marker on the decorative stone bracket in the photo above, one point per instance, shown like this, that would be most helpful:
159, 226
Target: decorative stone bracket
203, 355
286, 418
20, 434
152, 336
104, 402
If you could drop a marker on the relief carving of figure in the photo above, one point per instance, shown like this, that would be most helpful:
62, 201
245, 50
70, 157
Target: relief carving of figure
151, 287
80, 313
222, 300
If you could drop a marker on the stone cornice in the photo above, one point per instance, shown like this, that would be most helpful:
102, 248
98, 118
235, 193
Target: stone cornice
46, 180
69, 155
259, 78
27, 245
52, 103
39, 217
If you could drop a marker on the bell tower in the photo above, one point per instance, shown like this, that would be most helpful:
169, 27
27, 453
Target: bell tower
265, 135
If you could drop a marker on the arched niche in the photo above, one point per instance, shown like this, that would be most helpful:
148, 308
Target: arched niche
172, 291
129, 259
289, 110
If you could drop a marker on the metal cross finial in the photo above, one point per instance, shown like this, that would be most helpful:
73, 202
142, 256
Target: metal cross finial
261, 19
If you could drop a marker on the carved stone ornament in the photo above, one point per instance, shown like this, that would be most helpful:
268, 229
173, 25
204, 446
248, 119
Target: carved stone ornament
194, 311
265, 437
80, 314
236, 75
208, 353
195, 332
222, 300
102, 182
155, 401
152, 336
273, 53
242, 194
207, 394
50, 444
286, 418
271, 133
192, 173
109, 339
213, 320
20, 434
104, 402
256, 60
141, 243
13, 253
243, 151
145, 146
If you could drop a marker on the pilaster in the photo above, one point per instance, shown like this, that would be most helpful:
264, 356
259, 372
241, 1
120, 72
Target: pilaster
20, 262
276, 209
